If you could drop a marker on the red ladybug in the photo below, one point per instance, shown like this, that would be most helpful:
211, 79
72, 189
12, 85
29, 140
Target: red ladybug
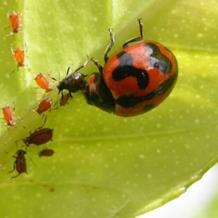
133, 81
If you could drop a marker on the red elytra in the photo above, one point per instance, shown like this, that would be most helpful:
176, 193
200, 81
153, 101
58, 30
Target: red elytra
39, 136
44, 105
42, 82
14, 21
46, 152
19, 56
9, 115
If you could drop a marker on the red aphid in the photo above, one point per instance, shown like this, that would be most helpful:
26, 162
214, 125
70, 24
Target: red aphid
46, 152
9, 115
14, 20
44, 105
19, 56
42, 82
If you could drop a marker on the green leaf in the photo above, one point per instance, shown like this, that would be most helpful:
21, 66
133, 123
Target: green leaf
107, 166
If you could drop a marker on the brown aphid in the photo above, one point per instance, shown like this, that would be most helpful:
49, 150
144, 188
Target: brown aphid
39, 136
44, 105
20, 162
46, 152
64, 99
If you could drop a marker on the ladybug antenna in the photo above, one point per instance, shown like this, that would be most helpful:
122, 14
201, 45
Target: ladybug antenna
83, 65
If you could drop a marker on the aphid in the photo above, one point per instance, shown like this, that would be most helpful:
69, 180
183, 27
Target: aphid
46, 152
14, 21
44, 105
42, 82
39, 136
20, 162
64, 99
19, 56
9, 115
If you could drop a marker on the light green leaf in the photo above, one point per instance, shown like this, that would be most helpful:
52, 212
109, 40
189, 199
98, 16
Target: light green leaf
107, 166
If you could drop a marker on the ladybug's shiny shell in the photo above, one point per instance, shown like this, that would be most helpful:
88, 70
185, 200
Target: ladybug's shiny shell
140, 77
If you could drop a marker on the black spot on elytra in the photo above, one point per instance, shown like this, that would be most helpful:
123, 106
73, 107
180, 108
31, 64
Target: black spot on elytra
121, 72
157, 59
125, 69
131, 101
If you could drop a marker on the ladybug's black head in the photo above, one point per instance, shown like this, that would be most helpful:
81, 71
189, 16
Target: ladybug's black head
73, 82
97, 93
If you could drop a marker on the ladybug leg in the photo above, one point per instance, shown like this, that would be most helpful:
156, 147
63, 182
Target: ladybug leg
96, 63
136, 39
83, 65
110, 45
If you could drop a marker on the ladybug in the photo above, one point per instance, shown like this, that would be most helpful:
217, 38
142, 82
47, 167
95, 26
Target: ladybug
20, 162
133, 81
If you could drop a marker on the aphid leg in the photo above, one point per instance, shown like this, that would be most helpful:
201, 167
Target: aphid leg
14, 166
